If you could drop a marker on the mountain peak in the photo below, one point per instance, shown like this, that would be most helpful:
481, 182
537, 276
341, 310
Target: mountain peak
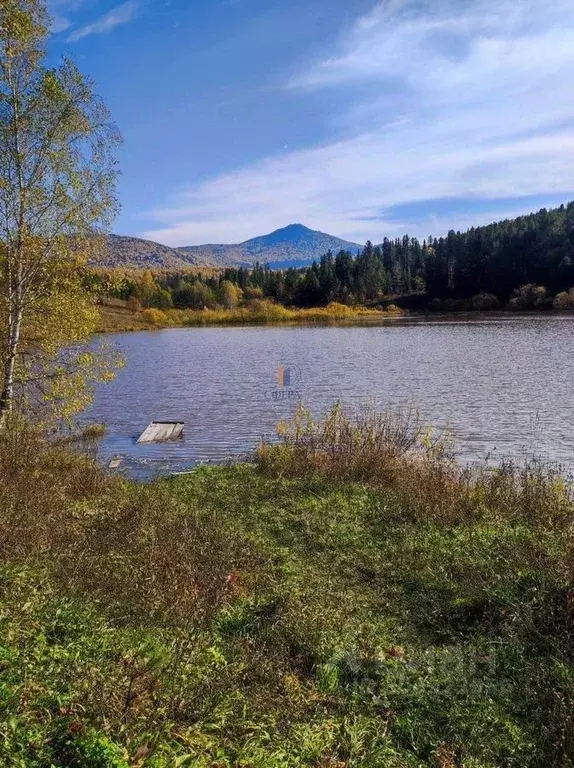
295, 228
289, 234
292, 246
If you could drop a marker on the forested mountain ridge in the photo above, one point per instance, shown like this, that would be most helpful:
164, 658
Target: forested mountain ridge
294, 245
135, 253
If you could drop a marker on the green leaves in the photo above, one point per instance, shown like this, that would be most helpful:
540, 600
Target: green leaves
57, 181
23, 24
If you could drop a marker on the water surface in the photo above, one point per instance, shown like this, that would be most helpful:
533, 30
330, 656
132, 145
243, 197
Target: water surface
502, 385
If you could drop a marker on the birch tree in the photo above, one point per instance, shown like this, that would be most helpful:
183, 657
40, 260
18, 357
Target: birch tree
57, 182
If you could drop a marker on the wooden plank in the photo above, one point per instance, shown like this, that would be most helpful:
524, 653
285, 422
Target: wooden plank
147, 434
157, 432
161, 431
168, 432
150, 434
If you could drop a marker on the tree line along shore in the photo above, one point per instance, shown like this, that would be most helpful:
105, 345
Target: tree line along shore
226, 304
524, 264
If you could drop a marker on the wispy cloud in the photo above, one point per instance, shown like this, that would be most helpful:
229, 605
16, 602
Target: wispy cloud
60, 24
122, 14
60, 11
468, 100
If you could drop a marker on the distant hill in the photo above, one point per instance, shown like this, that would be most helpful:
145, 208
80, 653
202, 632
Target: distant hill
135, 253
292, 246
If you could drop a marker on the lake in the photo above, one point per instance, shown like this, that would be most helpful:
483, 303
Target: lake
503, 385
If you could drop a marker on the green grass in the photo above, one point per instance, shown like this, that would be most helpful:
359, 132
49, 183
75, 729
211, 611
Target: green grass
239, 617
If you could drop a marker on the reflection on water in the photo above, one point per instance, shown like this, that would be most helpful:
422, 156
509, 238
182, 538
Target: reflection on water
503, 385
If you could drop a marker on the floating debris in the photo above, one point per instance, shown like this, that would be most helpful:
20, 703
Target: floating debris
115, 463
162, 431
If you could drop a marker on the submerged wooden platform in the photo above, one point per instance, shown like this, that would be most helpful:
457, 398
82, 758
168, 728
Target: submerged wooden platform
162, 431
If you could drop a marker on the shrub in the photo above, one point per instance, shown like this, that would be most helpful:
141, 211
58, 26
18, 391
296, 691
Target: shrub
94, 431
89, 434
161, 299
484, 302
336, 308
564, 300
155, 317
230, 294
359, 446
134, 550
252, 293
392, 450
40, 484
76, 746
263, 309
195, 296
530, 296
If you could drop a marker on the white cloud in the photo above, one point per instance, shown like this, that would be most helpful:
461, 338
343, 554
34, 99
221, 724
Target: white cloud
60, 11
122, 14
487, 110
60, 24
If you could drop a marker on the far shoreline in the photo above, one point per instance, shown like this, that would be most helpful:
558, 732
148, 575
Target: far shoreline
120, 320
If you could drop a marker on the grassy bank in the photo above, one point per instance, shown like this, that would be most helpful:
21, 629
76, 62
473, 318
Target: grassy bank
352, 599
117, 316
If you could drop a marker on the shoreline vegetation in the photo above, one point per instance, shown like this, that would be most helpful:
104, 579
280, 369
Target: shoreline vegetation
352, 598
116, 316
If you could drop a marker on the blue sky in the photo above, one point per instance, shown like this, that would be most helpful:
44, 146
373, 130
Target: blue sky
361, 119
